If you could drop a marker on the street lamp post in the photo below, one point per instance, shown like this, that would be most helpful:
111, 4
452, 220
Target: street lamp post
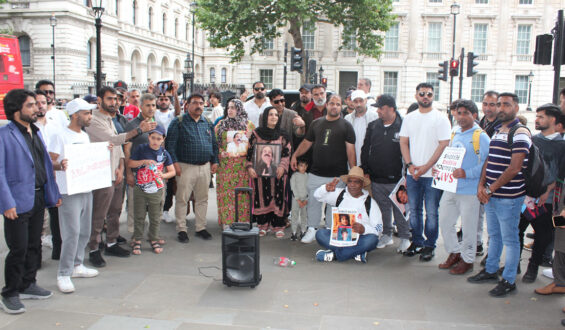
98, 11
187, 74
321, 70
530, 78
193, 6
53, 23
455, 7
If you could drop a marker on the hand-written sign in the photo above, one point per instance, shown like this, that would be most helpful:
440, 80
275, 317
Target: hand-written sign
88, 167
450, 160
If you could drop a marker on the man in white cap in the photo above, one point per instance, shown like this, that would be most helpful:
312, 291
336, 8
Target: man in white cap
360, 119
75, 214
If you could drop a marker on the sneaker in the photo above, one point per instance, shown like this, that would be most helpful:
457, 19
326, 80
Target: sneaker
182, 237
403, 246
531, 273
116, 251
204, 234
310, 236
427, 253
325, 255
293, 237
65, 284
483, 277
121, 240
82, 271
12, 305
502, 289
547, 262
47, 241
412, 250
34, 291
384, 241
167, 217
460, 235
480, 250
361, 257
548, 272
96, 260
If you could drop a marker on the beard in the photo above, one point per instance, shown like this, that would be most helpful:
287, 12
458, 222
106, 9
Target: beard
41, 114
260, 96
108, 109
320, 102
163, 107
425, 104
28, 119
305, 100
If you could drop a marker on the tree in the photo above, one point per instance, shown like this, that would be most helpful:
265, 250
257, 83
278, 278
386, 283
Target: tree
231, 23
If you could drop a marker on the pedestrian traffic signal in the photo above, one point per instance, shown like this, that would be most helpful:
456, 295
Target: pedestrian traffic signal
296, 59
454, 68
471, 64
324, 82
442, 72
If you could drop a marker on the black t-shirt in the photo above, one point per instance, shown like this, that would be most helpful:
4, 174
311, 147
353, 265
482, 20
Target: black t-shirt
329, 153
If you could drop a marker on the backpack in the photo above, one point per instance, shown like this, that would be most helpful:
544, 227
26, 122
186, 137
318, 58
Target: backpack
367, 201
535, 172
476, 140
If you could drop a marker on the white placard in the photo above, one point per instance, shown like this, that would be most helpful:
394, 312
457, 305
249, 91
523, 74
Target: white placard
88, 167
342, 233
450, 160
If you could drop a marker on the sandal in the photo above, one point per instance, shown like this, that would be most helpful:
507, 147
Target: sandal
279, 234
136, 247
262, 232
156, 247
160, 241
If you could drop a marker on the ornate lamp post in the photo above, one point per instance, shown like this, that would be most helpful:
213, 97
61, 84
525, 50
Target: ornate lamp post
98, 12
455, 8
187, 74
53, 23
530, 79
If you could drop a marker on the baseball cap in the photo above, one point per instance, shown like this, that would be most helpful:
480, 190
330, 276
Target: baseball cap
90, 98
385, 99
77, 105
159, 129
122, 84
307, 87
358, 94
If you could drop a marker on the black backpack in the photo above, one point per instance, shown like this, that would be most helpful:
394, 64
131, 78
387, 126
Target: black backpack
535, 172
367, 201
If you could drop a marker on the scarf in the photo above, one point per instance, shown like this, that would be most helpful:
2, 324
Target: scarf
239, 123
266, 133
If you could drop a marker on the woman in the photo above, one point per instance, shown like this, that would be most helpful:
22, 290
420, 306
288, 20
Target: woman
270, 207
232, 172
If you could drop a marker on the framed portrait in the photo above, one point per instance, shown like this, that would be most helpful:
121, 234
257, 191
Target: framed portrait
266, 159
342, 233
399, 197
237, 144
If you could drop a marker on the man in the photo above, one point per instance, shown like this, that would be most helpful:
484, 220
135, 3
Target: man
360, 119
76, 210
107, 202
562, 100
423, 136
131, 110
302, 108
550, 145
382, 138
192, 144
53, 114
501, 189
463, 202
290, 121
27, 187
490, 119
364, 84
349, 106
215, 100
368, 224
257, 104
333, 143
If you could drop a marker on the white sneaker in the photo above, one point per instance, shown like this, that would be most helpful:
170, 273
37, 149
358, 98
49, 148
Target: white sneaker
548, 272
403, 246
82, 271
310, 236
167, 217
47, 241
384, 241
65, 284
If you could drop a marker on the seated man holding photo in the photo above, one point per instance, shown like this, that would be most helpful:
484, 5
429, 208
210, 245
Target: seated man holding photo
368, 226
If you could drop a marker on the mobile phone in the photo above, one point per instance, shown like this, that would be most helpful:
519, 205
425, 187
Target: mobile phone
164, 86
558, 221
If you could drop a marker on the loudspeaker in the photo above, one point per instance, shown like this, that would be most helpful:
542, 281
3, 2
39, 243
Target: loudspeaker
240, 257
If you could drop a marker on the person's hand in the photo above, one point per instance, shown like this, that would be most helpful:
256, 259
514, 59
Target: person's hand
177, 169
248, 133
11, 214
419, 171
214, 168
119, 176
435, 171
293, 163
252, 173
297, 121
482, 195
280, 172
130, 179
150, 87
358, 228
543, 198
64, 164
147, 125
110, 146
331, 186
224, 154
175, 88
59, 202
412, 169
459, 173
149, 162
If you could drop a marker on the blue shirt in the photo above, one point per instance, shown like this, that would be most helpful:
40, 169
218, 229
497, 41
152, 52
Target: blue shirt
192, 142
472, 163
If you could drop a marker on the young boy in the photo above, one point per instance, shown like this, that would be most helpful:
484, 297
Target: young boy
299, 186
148, 161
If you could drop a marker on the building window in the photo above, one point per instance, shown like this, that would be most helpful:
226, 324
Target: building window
522, 89
478, 87
431, 78
434, 37
164, 23
224, 77
526, 2
480, 39
523, 40
266, 76
150, 18
349, 40
308, 32
176, 27
88, 3
212, 75
391, 38
187, 31
88, 55
134, 12
117, 8
25, 50
269, 44
481, 2
390, 84
435, 1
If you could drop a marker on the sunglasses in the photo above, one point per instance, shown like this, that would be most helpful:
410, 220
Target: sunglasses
279, 101
259, 89
428, 94
49, 92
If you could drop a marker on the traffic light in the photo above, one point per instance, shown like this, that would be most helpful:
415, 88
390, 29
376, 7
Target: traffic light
325, 82
471, 64
296, 59
442, 72
454, 68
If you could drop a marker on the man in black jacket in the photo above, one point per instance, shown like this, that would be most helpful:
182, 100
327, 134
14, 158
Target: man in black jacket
382, 160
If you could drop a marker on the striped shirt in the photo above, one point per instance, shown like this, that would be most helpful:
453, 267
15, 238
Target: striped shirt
499, 157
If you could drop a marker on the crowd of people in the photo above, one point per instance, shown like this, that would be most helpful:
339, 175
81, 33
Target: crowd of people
307, 163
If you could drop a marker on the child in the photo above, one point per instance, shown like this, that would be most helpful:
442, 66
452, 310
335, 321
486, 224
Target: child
299, 186
148, 161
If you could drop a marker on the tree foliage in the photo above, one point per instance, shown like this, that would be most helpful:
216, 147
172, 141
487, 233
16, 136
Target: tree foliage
231, 23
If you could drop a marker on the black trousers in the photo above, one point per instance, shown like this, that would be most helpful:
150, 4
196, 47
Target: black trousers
170, 194
23, 237
543, 226
55, 232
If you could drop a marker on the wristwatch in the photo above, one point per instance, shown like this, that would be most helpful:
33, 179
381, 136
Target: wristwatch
409, 164
139, 131
487, 189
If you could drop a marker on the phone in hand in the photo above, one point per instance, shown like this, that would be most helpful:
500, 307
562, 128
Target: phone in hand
163, 86
558, 221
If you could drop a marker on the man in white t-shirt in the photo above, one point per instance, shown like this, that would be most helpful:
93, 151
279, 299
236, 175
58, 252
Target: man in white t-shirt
53, 114
423, 137
215, 100
256, 105
166, 112
360, 119
76, 211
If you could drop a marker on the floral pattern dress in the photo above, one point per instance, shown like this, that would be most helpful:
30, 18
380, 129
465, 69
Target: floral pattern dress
231, 174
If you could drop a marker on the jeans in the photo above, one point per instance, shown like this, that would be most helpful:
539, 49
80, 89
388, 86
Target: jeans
366, 243
419, 192
503, 218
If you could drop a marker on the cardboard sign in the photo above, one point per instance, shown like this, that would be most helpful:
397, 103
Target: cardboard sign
342, 233
88, 167
450, 160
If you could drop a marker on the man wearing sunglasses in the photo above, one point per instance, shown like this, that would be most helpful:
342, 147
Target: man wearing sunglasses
52, 114
290, 121
423, 136
490, 120
257, 104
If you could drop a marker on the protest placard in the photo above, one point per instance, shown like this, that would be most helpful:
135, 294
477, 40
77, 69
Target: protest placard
88, 167
399, 197
342, 233
450, 160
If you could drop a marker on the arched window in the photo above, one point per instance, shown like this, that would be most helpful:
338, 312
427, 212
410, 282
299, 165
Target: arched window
25, 50
164, 23
150, 18
212, 75
134, 12
176, 27
224, 77
187, 31
89, 55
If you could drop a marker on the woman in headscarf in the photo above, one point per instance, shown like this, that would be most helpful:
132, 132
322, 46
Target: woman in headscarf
270, 207
232, 172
